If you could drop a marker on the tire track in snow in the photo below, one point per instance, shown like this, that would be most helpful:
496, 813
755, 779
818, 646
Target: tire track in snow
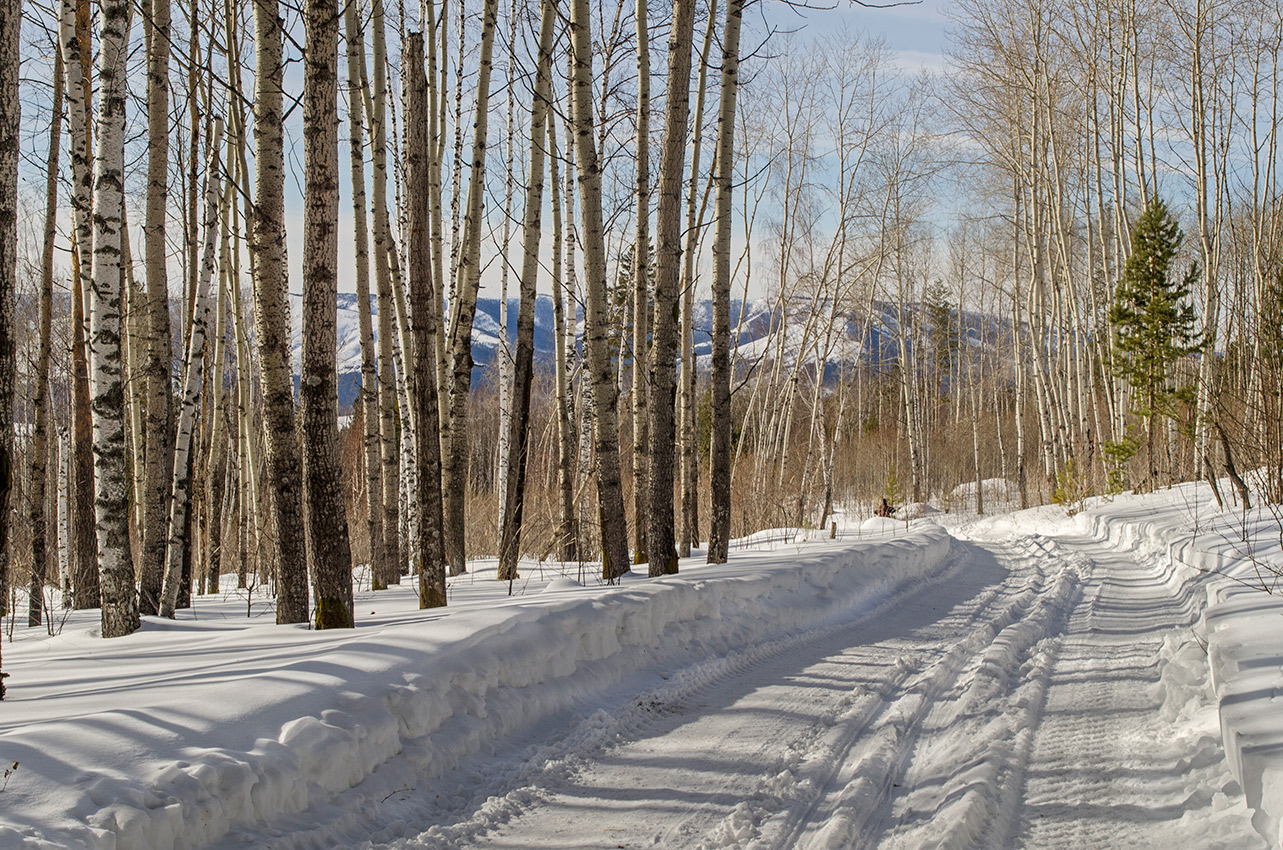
862, 784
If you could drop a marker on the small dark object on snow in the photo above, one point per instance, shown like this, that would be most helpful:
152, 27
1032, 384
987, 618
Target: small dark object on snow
885, 509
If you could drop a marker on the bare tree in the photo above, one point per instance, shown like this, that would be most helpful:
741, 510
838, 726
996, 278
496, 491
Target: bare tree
193, 381
641, 292
519, 440
463, 308
38, 462
10, 124
159, 457
605, 401
431, 547
324, 511
668, 270
272, 319
111, 491
723, 165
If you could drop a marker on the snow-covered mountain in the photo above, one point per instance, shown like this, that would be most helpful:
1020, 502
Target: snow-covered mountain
753, 325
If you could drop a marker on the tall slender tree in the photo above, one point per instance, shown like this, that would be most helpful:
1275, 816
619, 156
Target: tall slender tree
371, 444
668, 270
324, 510
158, 368
431, 547
10, 123
641, 290
111, 480
38, 514
193, 382
519, 441
720, 379
74, 38
605, 400
463, 307
272, 319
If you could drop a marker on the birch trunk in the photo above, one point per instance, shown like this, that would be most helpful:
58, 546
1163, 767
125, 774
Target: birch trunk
641, 293
462, 311
74, 32
158, 367
605, 422
689, 467
668, 257
10, 127
723, 164
431, 548
566, 534
38, 462
272, 319
193, 380
380, 572
519, 440
111, 480
504, 353
324, 511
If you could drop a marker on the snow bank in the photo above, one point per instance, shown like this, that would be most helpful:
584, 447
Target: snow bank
1224, 567
183, 732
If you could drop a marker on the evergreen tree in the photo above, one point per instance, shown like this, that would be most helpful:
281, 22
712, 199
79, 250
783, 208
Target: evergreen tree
1153, 320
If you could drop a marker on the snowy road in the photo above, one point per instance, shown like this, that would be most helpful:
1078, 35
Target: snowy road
1014, 702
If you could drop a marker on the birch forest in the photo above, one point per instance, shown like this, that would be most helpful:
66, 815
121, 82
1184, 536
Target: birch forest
748, 275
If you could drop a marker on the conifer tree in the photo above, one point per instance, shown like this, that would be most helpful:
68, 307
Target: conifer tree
1153, 319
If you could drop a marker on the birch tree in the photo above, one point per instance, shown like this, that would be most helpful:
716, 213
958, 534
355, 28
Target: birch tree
668, 256
74, 38
519, 440
324, 511
641, 291
10, 125
463, 308
193, 381
111, 491
720, 379
605, 401
272, 318
38, 514
431, 546
159, 457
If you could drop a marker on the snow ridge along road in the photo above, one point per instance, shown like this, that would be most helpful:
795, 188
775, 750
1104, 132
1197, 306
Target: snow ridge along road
1015, 688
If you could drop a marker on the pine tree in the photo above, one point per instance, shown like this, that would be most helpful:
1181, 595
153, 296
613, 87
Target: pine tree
1153, 319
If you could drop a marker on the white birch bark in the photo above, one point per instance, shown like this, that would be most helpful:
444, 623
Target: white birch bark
193, 381
111, 491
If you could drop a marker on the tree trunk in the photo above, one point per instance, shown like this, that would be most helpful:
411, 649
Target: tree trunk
193, 380
111, 481
375, 98
380, 572
668, 258
38, 515
215, 474
641, 293
605, 424
462, 311
694, 224
565, 537
74, 24
272, 319
159, 458
519, 440
324, 511
431, 548
723, 163
10, 126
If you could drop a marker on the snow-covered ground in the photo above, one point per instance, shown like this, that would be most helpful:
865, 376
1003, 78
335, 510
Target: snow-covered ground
1022, 680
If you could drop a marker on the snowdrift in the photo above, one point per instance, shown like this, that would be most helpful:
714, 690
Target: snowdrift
181, 733
1223, 566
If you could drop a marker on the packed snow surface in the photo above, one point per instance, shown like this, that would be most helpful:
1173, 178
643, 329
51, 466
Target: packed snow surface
1027, 680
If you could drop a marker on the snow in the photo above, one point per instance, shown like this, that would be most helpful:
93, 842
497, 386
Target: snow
1026, 679
176, 735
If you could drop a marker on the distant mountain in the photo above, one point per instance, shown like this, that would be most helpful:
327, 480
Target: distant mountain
751, 325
